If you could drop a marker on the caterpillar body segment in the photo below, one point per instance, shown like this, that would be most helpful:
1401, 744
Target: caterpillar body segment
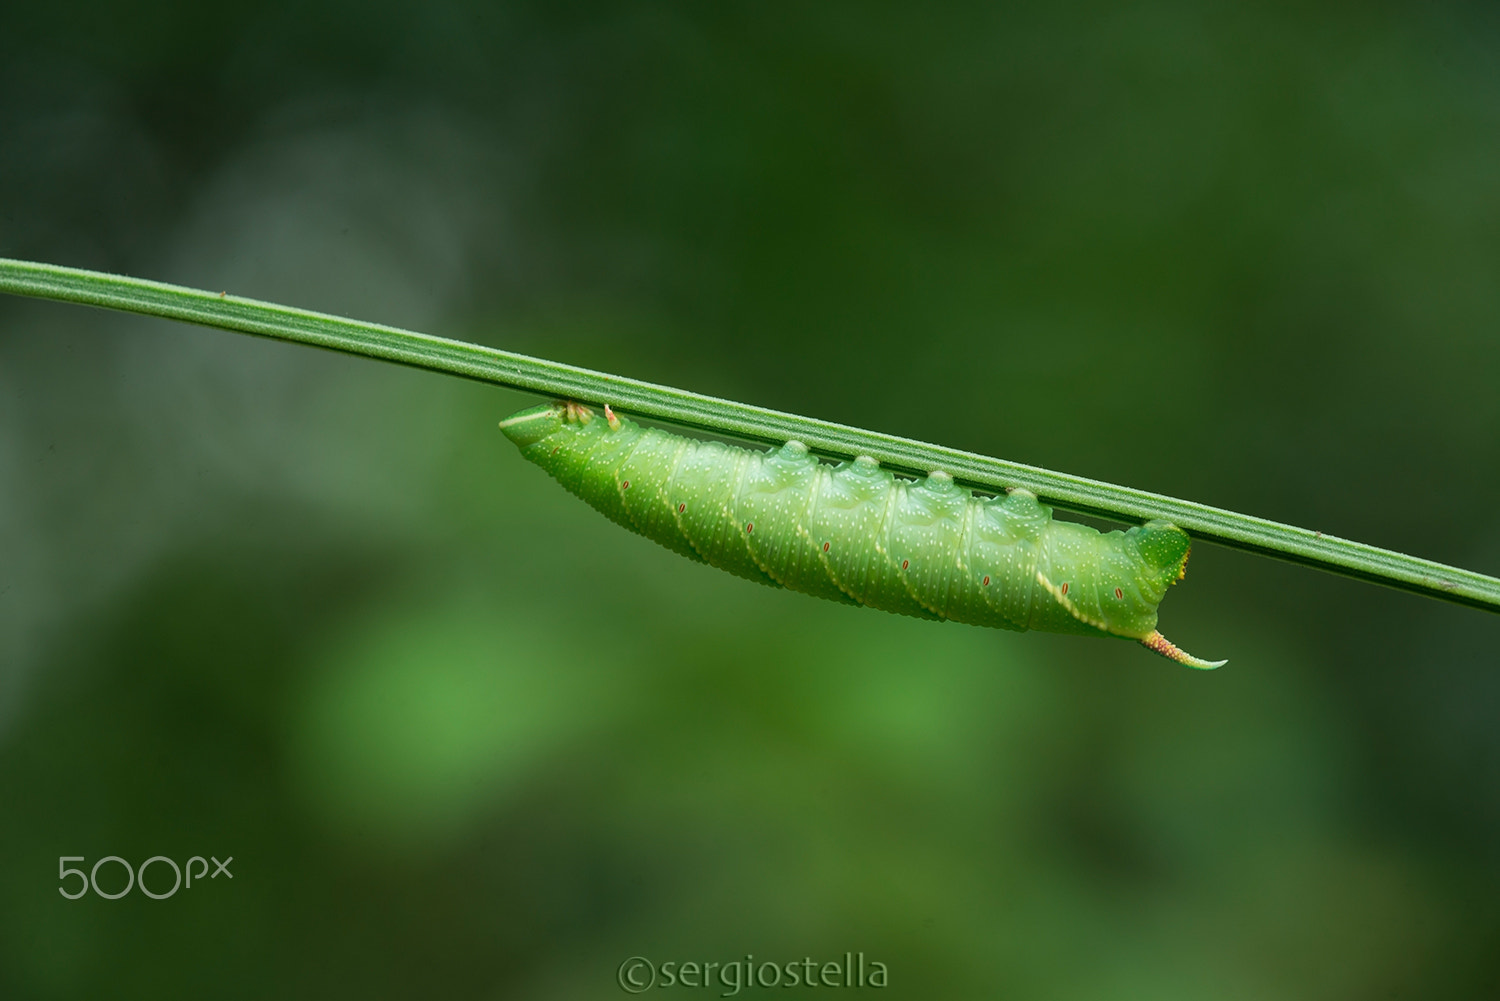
855, 533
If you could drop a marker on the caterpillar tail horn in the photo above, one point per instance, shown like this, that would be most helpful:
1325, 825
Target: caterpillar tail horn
1160, 644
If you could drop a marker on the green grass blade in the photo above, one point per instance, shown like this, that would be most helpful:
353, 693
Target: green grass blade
739, 420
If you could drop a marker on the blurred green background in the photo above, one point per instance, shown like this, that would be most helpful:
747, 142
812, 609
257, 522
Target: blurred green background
464, 738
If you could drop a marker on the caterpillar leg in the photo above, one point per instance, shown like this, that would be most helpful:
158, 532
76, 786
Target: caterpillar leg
1160, 644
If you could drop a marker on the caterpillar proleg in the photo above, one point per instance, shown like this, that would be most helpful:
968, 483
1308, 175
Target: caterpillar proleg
855, 533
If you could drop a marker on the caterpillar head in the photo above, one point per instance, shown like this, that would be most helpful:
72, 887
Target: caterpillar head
530, 426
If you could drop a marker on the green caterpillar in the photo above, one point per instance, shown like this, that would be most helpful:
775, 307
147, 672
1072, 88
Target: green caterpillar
854, 533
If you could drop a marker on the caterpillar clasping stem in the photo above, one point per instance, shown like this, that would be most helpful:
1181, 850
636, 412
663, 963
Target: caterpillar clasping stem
858, 534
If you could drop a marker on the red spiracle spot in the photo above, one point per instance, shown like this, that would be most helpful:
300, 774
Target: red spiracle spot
1119, 594
1065, 587
986, 582
681, 508
825, 547
750, 527
625, 485
905, 564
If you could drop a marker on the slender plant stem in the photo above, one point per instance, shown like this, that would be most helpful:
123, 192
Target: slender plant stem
726, 417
